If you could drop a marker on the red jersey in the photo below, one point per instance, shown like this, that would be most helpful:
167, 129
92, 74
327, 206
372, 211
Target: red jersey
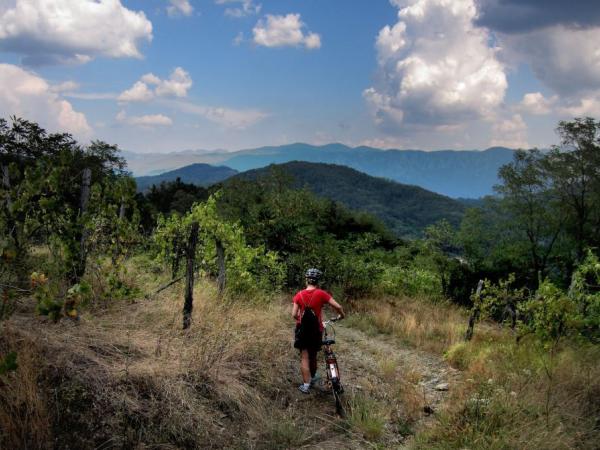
314, 299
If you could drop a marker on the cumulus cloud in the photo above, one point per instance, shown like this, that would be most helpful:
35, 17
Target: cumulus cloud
535, 103
177, 85
519, 16
557, 40
27, 95
435, 68
66, 31
511, 132
227, 117
565, 59
244, 8
586, 106
281, 31
179, 7
139, 92
149, 120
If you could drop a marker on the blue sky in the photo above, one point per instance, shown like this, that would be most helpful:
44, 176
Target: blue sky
169, 75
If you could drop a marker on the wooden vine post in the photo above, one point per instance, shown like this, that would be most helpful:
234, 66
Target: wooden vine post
188, 304
474, 312
221, 277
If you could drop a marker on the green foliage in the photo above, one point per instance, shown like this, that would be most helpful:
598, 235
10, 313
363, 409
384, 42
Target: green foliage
412, 281
405, 209
495, 298
51, 303
248, 268
118, 287
41, 192
554, 313
546, 214
8, 363
585, 291
551, 314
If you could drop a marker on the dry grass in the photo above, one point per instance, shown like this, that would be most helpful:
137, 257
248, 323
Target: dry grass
514, 396
519, 397
425, 325
24, 421
130, 376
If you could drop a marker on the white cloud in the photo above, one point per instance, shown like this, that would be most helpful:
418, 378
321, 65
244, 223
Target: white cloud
510, 133
92, 95
25, 94
245, 8
435, 68
281, 31
586, 106
535, 103
67, 31
150, 120
139, 92
177, 85
566, 59
227, 117
179, 7
67, 86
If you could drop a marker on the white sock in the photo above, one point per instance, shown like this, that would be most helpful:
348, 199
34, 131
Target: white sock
306, 385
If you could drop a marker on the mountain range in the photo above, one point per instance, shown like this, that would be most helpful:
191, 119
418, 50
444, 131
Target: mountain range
405, 209
199, 174
464, 173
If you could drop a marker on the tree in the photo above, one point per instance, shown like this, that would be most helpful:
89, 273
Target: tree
533, 207
574, 166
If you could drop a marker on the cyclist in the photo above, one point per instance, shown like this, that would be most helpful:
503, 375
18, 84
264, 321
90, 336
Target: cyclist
313, 298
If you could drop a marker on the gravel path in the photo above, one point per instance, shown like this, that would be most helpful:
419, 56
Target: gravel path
361, 358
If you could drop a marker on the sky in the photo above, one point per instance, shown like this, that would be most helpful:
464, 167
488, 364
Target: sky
172, 75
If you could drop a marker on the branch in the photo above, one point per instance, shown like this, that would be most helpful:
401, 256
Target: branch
162, 288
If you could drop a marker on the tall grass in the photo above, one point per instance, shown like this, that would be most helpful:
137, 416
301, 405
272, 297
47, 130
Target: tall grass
513, 395
416, 321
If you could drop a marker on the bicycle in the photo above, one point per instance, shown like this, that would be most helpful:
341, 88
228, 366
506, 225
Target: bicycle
331, 366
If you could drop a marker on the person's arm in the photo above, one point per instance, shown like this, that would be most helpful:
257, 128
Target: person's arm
338, 308
295, 311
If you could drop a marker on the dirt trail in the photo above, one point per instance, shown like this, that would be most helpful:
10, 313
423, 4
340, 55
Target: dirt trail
373, 367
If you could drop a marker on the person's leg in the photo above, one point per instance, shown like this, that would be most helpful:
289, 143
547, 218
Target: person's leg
312, 360
305, 366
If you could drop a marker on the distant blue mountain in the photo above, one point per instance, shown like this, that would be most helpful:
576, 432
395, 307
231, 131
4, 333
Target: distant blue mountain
467, 174
199, 174
457, 174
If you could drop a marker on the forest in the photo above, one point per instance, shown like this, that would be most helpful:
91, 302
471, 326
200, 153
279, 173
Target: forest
508, 296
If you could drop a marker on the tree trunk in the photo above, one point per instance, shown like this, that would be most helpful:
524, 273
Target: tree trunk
189, 281
122, 209
474, 312
221, 277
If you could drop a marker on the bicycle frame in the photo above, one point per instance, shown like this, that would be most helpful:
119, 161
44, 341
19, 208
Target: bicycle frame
331, 367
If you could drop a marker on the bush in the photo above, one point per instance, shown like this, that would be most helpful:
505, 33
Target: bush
412, 281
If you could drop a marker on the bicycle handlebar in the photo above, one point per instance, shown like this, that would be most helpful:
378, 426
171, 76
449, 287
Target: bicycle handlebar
333, 319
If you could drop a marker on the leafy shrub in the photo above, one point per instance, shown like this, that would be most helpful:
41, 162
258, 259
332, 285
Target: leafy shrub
412, 281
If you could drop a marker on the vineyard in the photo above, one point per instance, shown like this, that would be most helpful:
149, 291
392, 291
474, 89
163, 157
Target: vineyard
161, 319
